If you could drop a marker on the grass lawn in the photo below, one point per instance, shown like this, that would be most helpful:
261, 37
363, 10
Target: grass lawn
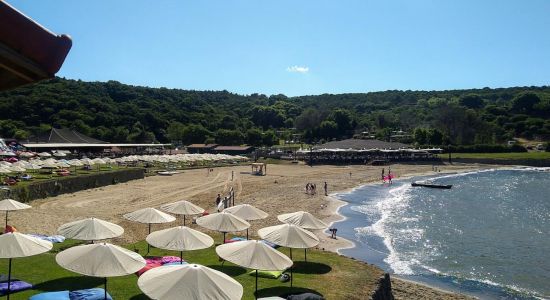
326, 273
517, 155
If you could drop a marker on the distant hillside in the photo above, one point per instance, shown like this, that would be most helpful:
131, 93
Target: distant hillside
117, 112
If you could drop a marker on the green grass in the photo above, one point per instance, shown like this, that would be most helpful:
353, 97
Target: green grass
329, 274
518, 155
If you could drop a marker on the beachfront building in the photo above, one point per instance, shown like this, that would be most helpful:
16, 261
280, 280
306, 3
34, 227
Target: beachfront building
359, 151
77, 143
201, 148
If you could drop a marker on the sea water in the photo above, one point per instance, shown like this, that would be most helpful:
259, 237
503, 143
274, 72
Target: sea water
488, 236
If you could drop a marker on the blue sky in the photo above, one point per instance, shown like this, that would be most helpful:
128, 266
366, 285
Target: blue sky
300, 47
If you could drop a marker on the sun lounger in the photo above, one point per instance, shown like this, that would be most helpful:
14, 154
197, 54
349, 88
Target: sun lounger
270, 244
50, 238
266, 274
89, 294
15, 286
157, 261
235, 239
62, 295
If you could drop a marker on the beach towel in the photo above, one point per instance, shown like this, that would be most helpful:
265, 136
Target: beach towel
49, 238
235, 239
61, 295
15, 286
176, 264
266, 274
89, 294
170, 259
4, 278
151, 263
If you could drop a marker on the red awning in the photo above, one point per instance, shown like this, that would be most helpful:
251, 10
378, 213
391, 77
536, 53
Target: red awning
28, 51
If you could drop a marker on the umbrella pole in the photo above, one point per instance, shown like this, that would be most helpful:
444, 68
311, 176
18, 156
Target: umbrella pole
181, 257
305, 254
9, 278
247, 234
256, 294
223, 238
183, 220
291, 268
148, 246
105, 283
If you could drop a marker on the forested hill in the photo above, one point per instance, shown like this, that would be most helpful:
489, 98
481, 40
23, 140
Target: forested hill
117, 112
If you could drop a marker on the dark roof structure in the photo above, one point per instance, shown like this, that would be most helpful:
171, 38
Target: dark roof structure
233, 148
359, 144
28, 51
202, 146
66, 136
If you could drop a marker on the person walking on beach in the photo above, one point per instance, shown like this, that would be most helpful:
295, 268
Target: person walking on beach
326, 189
383, 174
218, 199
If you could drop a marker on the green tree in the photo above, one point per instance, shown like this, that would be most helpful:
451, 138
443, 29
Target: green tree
229, 137
524, 102
328, 129
471, 101
254, 137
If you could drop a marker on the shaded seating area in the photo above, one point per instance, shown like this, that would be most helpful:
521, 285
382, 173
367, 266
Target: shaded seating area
259, 169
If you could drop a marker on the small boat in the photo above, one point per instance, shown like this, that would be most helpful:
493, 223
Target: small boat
432, 185
167, 173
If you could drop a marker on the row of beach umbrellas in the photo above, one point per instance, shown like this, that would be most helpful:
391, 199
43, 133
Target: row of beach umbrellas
170, 282
35, 164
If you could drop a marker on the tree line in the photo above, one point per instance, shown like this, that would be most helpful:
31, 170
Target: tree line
117, 112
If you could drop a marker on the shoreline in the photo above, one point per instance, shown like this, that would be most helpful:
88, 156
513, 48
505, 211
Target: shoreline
335, 204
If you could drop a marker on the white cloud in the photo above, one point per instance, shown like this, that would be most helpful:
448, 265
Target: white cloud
297, 69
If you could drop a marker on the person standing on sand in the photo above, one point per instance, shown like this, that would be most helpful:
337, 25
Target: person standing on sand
218, 199
326, 189
383, 171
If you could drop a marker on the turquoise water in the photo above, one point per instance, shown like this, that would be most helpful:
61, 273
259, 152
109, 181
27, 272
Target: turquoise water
488, 236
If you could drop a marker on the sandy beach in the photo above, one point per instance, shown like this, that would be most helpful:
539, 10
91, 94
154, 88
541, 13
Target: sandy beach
282, 190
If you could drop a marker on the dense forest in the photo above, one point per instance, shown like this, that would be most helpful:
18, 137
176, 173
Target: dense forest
116, 112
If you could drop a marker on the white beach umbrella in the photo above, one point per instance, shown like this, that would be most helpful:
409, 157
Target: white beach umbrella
254, 255
15, 244
5, 170
182, 208
100, 260
44, 154
49, 165
149, 216
90, 229
17, 169
223, 222
247, 212
180, 239
192, 282
59, 154
302, 219
291, 236
10, 204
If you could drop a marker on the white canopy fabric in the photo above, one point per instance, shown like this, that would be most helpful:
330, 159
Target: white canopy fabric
179, 238
246, 212
90, 229
149, 216
302, 219
192, 281
15, 244
10, 204
255, 255
223, 222
289, 235
182, 208
100, 260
